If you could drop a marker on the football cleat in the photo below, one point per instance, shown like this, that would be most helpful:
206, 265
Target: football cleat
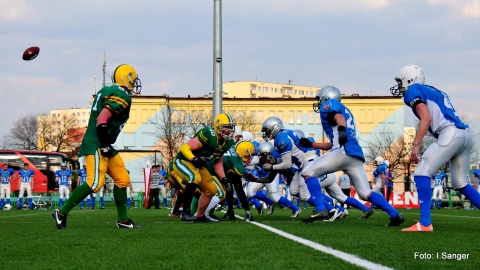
418, 228
343, 214
213, 217
127, 224
367, 214
187, 216
260, 211
395, 221
271, 208
248, 216
333, 215
60, 220
202, 219
316, 216
173, 215
296, 213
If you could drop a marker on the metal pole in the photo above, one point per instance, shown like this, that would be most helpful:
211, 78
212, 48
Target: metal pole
217, 59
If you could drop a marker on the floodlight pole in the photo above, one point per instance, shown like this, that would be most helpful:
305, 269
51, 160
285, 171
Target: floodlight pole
217, 59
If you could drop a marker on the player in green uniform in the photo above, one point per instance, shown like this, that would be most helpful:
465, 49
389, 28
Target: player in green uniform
234, 167
189, 164
109, 113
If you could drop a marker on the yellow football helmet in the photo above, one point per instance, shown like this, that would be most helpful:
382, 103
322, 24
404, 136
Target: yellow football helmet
221, 122
245, 150
126, 76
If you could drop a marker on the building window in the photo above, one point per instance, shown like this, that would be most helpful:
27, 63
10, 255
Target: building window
299, 117
301, 92
282, 91
174, 117
265, 89
78, 113
311, 117
291, 117
253, 87
280, 115
276, 90
260, 116
296, 92
272, 113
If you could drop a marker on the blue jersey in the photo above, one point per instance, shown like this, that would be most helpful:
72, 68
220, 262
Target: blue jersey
438, 178
288, 141
389, 179
161, 180
26, 176
328, 111
476, 173
438, 104
5, 175
83, 176
381, 169
63, 177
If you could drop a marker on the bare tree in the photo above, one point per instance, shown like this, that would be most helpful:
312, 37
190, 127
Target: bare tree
58, 133
23, 134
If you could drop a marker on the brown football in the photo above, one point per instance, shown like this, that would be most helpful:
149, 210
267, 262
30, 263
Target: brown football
31, 53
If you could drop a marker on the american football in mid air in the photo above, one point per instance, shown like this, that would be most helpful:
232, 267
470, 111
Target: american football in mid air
31, 53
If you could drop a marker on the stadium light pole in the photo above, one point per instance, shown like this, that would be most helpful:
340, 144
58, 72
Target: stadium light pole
217, 59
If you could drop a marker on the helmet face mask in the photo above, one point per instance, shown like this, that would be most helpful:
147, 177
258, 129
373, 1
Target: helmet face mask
224, 126
326, 93
271, 127
126, 76
245, 151
407, 76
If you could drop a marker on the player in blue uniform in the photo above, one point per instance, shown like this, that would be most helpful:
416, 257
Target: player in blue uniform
453, 145
82, 179
266, 149
345, 153
438, 187
476, 175
5, 178
286, 143
380, 175
26, 184
64, 179
161, 186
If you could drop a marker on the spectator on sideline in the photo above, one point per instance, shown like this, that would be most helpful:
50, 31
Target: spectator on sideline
153, 190
161, 187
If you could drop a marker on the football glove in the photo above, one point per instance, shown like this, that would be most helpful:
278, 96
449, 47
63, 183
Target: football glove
304, 142
267, 167
198, 162
103, 138
342, 136
226, 184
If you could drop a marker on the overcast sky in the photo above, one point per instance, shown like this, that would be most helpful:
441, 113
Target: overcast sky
356, 45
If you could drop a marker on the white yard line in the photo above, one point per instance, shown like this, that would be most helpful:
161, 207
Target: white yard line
349, 258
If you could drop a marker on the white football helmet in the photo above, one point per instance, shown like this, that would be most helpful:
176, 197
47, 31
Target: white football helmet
326, 93
248, 136
271, 127
299, 133
379, 160
407, 76
387, 163
237, 135
7, 207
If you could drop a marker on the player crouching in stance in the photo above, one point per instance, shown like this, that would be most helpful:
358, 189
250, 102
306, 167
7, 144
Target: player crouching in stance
344, 152
453, 145
109, 113
189, 164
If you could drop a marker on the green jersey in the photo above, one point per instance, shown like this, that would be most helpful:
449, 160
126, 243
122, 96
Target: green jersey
211, 149
231, 164
118, 101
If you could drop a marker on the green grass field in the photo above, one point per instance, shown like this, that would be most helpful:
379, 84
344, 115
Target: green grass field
91, 241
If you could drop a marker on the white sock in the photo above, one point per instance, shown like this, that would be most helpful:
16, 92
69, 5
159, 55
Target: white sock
215, 200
